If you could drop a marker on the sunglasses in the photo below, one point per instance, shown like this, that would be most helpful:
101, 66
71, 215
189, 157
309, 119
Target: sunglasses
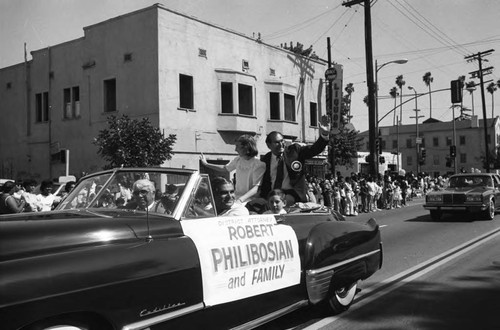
140, 192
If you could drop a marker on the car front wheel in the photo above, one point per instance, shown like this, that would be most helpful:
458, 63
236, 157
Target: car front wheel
489, 213
342, 298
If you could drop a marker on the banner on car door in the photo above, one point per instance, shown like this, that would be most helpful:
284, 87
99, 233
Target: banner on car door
244, 256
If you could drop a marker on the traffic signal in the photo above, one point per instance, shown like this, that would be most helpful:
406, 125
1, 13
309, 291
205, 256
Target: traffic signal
379, 146
423, 153
381, 159
456, 91
453, 151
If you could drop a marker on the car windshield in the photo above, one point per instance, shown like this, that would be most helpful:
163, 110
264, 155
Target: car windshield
154, 191
470, 181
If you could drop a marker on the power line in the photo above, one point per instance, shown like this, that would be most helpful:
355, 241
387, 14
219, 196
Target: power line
437, 38
298, 26
438, 30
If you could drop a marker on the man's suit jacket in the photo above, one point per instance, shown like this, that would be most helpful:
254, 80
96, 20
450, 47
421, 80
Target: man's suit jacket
294, 159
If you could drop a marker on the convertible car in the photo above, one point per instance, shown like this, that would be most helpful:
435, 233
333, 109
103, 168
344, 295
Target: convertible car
100, 262
466, 192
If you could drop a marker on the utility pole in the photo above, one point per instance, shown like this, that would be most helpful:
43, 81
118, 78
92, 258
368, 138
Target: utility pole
330, 108
372, 120
479, 74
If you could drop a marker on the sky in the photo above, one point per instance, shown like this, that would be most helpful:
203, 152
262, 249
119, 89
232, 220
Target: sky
434, 36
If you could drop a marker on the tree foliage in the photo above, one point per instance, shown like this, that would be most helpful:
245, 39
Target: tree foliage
346, 145
133, 143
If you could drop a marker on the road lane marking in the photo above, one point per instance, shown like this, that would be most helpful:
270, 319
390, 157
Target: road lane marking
370, 294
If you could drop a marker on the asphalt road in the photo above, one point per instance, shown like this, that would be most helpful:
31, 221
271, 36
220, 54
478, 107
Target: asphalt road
436, 275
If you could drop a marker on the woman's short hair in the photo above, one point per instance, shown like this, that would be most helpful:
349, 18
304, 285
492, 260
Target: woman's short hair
46, 184
249, 143
29, 182
277, 192
8, 186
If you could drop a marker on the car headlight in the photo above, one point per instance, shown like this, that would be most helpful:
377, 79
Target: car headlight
434, 198
474, 198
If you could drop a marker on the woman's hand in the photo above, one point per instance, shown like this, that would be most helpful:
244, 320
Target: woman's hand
203, 159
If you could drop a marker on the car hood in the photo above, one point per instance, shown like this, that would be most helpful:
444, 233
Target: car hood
464, 190
31, 234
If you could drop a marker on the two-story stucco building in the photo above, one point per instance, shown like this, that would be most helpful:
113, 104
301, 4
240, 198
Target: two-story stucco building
436, 138
202, 82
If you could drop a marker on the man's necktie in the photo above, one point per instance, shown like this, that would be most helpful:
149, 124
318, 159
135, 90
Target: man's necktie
279, 173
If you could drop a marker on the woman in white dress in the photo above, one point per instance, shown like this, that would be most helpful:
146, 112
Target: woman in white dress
249, 169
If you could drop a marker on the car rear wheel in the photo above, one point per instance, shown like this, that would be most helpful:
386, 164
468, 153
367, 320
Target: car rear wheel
342, 298
436, 215
71, 322
489, 213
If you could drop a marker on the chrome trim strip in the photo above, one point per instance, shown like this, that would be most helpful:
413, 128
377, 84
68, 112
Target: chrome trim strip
162, 318
327, 268
271, 316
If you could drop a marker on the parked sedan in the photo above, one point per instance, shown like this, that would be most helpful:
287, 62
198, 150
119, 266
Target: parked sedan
466, 192
100, 262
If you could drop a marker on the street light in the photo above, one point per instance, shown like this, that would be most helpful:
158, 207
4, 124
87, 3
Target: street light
417, 138
377, 69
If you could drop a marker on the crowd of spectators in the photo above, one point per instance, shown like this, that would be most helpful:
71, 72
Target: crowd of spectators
362, 193
17, 197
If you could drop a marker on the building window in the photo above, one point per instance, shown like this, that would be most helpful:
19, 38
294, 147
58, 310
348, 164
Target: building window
226, 89
110, 95
68, 113
289, 107
76, 101
313, 113
185, 92
383, 145
42, 107
462, 140
71, 102
245, 99
435, 142
463, 158
408, 143
409, 160
394, 144
448, 141
274, 105
435, 159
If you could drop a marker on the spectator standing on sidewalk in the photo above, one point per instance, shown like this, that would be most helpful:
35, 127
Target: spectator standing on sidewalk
8, 204
30, 197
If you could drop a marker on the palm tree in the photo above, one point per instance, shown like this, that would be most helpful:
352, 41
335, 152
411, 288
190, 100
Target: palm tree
428, 79
492, 87
394, 94
400, 82
471, 87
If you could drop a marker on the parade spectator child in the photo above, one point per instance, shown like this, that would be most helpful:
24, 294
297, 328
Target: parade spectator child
276, 202
45, 198
30, 197
396, 195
